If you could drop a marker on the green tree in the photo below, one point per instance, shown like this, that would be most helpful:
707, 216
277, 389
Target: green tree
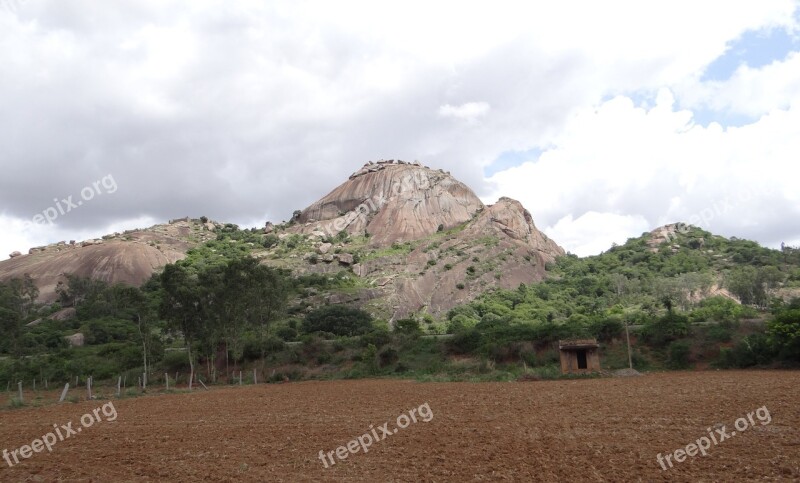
181, 308
784, 333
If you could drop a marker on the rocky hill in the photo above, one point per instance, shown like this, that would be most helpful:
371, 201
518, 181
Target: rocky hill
130, 257
414, 239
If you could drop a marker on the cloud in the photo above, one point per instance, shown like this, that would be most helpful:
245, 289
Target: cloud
246, 111
595, 232
469, 111
653, 164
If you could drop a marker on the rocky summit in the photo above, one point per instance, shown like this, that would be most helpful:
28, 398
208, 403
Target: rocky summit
392, 201
448, 246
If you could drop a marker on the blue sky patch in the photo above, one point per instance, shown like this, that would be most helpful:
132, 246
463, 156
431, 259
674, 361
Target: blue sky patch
510, 159
706, 116
755, 48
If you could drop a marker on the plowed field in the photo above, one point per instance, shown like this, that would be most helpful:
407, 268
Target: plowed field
569, 430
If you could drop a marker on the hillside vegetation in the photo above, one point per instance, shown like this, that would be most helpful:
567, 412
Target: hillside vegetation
252, 300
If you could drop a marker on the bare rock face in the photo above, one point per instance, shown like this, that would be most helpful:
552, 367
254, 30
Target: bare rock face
75, 340
508, 217
501, 247
345, 258
130, 261
392, 202
15, 254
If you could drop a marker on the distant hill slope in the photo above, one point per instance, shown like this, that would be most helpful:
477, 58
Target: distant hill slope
129, 257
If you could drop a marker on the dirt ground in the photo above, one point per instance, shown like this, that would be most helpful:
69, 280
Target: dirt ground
569, 430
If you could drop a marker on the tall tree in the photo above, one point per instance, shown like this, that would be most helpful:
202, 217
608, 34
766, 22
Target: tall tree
181, 308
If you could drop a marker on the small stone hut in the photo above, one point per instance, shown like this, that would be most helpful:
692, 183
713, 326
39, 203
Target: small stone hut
579, 356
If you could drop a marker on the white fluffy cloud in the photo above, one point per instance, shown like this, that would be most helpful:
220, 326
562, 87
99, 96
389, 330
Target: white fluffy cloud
469, 111
620, 165
248, 110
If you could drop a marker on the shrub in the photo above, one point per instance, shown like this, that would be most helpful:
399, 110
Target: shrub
666, 329
721, 332
287, 333
407, 326
339, 320
784, 334
606, 329
387, 356
465, 342
753, 350
270, 241
679, 352
378, 337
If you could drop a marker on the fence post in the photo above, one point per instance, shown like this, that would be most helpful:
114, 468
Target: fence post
240, 378
89, 387
166, 378
20, 391
255, 380
64, 392
119, 388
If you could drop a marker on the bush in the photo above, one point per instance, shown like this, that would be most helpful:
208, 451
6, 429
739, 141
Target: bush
270, 241
721, 332
339, 320
378, 337
666, 329
606, 329
721, 309
679, 352
287, 333
784, 334
408, 326
387, 356
753, 350
466, 342
175, 361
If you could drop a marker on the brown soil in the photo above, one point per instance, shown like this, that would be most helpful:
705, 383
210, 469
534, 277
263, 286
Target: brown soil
572, 430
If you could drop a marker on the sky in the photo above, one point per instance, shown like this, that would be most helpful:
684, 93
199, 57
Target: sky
605, 119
